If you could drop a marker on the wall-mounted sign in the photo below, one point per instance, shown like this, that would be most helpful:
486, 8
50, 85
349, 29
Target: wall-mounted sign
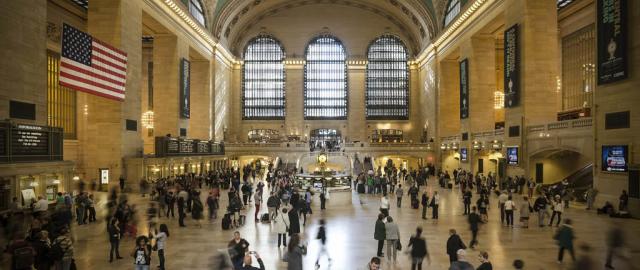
28, 196
512, 155
185, 88
464, 155
511, 67
612, 40
25, 143
104, 176
615, 158
464, 89
171, 146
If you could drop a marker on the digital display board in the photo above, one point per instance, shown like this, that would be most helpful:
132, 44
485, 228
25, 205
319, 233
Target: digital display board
615, 158
464, 154
512, 155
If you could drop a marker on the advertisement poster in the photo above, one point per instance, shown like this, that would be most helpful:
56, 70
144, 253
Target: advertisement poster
512, 155
511, 68
612, 41
615, 158
464, 156
104, 176
185, 89
464, 89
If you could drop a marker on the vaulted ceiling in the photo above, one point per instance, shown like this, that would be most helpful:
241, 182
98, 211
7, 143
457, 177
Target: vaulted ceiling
416, 19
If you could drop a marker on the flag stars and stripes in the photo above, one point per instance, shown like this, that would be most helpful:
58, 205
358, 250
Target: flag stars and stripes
92, 66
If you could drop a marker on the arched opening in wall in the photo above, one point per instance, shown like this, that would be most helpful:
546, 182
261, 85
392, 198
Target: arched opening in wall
252, 167
325, 139
552, 167
400, 162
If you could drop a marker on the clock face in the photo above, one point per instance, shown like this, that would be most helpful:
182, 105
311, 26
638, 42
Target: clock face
322, 158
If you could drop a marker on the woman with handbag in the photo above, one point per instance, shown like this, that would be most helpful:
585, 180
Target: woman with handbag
281, 223
393, 239
161, 239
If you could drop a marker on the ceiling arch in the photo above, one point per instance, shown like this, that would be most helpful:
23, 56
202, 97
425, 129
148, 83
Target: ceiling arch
412, 17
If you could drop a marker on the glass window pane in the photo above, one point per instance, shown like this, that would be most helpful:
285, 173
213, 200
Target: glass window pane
387, 89
325, 79
263, 79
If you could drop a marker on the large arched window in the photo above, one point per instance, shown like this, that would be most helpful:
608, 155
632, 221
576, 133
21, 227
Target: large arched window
387, 94
453, 9
196, 9
263, 95
325, 79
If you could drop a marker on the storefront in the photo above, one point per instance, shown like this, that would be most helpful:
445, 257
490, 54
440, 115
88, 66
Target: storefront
28, 181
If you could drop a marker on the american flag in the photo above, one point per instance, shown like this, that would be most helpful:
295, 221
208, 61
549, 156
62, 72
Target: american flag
92, 66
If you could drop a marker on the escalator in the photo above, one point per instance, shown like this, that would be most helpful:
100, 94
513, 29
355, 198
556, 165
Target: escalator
577, 183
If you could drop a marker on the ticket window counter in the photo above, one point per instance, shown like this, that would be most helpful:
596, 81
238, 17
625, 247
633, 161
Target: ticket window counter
47, 186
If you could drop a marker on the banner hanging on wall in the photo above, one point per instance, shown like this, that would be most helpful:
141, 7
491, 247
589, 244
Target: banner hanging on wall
185, 89
612, 41
464, 89
511, 67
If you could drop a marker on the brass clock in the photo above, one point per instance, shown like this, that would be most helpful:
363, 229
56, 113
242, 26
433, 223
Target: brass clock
322, 158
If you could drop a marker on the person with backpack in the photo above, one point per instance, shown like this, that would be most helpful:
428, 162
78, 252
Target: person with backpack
418, 246
114, 238
142, 253
272, 205
22, 253
62, 250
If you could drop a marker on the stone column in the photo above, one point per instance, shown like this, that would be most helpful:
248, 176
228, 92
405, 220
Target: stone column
481, 53
449, 98
105, 140
200, 122
167, 52
538, 49
294, 120
357, 124
23, 70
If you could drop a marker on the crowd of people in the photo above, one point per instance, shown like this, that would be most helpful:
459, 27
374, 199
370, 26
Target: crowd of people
40, 237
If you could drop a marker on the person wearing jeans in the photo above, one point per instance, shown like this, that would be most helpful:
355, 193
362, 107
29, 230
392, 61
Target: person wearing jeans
509, 207
558, 207
380, 234
161, 239
114, 239
392, 235
142, 254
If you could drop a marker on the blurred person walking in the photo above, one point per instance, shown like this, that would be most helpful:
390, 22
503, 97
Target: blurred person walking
418, 246
565, 236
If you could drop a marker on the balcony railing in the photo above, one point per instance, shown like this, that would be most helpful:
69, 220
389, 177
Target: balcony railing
577, 123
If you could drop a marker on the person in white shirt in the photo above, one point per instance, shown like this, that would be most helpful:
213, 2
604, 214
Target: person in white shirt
41, 206
384, 205
501, 200
509, 207
557, 206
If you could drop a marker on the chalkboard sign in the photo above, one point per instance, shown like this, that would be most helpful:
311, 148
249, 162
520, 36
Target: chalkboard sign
203, 147
186, 146
29, 140
464, 89
511, 68
26, 143
173, 146
612, 40
167, 146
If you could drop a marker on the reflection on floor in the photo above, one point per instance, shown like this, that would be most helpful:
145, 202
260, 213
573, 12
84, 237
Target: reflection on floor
350, 237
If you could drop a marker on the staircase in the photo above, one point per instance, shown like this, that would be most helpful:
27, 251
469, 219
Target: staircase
579, 181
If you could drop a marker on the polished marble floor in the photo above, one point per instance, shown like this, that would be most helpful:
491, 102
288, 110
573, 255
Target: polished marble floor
350, 228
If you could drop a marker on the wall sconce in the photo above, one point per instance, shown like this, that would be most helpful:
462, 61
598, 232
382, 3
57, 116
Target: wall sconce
76, 178
443, 146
